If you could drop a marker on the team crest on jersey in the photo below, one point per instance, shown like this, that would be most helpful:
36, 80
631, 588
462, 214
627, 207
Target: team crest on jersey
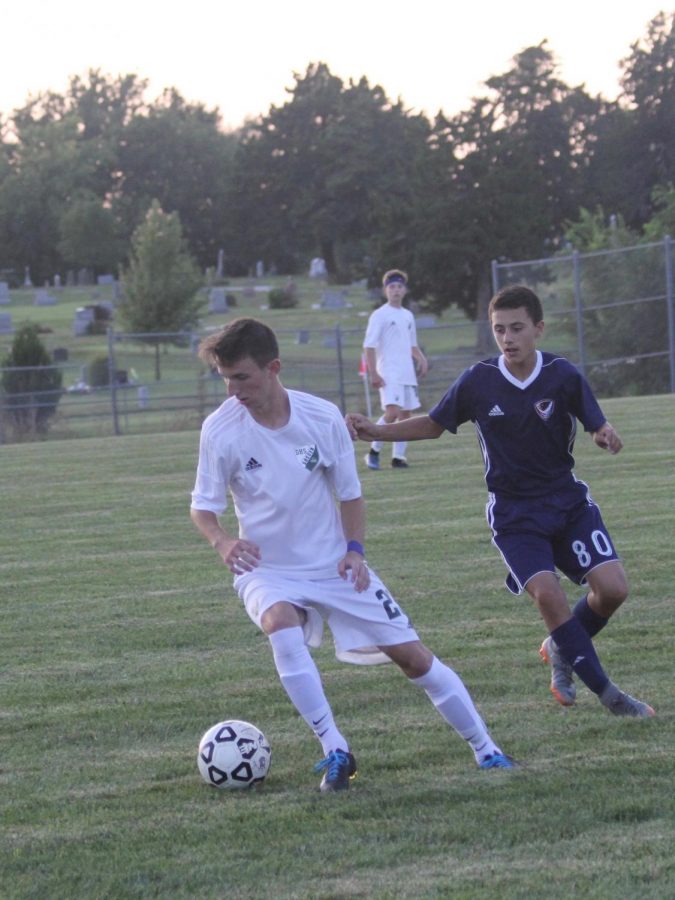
544, 409
307, 456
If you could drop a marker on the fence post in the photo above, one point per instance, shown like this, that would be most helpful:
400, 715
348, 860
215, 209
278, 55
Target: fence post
579, 311
495, 276
112, 379
668, 250
341, 374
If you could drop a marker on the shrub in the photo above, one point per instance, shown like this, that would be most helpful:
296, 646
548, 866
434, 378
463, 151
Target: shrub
32, 384
280, 298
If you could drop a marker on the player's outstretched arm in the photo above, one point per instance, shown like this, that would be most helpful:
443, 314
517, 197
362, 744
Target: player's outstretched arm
607, 439
416, 428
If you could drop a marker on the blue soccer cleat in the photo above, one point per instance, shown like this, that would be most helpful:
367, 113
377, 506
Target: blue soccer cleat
338, 768
497, 761
372, 458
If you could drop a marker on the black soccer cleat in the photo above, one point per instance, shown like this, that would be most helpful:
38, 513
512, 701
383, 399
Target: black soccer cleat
398, 463
338, 768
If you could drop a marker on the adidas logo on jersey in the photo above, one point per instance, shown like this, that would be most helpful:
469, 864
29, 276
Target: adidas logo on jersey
253, 464
496, 411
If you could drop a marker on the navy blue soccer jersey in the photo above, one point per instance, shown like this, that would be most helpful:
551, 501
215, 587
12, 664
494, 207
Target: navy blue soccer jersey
526, 429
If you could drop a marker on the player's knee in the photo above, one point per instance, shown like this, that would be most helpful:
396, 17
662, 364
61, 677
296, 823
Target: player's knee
609, 596
282, 615
412, 658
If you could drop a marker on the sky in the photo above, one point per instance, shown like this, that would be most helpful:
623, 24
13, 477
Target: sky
241, 57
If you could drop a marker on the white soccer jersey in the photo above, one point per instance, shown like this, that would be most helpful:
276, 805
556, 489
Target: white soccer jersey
284, 482
392, 333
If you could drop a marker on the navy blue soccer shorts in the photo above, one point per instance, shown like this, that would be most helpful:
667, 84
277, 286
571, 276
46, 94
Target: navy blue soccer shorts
563, 530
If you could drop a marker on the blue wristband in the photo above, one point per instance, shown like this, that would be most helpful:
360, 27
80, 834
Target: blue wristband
356, 547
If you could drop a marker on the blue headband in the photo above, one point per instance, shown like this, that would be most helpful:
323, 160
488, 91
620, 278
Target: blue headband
394, 279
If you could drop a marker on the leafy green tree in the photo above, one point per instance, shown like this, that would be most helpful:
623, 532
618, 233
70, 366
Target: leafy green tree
31, 384
88, 235
631, 146
636, 332
160, 285
176, 153
325, 173
503, 181
60, 147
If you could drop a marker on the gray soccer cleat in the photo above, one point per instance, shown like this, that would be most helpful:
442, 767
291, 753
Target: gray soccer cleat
562, 673
621, 704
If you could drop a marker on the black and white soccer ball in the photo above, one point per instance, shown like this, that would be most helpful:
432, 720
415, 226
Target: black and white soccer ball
234, 754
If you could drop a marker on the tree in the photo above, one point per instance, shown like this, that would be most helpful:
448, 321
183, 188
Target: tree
160, 285
631, 149
329, 173
31, 384
60, 148
88, 237
503, 181
174, 152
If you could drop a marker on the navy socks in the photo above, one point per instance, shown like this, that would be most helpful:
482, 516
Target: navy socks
591, 621
576, 646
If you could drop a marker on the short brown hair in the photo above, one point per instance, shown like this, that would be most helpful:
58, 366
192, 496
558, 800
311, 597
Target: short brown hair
513, 297
240, 338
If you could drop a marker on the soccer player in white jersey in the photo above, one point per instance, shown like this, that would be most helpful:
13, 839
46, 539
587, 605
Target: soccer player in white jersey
287, 460
525, 405
391, 350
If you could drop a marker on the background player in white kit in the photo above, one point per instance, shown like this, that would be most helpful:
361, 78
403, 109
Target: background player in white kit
298, 560
391, 352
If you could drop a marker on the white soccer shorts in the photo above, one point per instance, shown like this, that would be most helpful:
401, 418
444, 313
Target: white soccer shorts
359, 622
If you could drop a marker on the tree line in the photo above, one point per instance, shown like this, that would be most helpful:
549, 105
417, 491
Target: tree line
343, 172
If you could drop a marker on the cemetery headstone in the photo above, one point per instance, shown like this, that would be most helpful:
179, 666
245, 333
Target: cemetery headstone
4, 292
6, 324
333, 300
84, 316
317, 268
217, 300
44, 298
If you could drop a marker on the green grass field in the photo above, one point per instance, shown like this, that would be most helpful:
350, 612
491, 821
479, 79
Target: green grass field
122, 642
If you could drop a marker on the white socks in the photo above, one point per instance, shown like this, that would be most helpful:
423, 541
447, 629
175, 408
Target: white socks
377, 445
302, 682
446, 691
398, 449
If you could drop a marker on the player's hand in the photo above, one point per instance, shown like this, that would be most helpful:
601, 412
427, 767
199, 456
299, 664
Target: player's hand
377, 381
360, 427
238, 555
354, 566
607, 439
422, 366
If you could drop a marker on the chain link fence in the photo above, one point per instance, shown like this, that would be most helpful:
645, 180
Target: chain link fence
612, 311
156, 383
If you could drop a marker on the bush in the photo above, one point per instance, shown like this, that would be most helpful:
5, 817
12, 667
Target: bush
32, 384
280, 298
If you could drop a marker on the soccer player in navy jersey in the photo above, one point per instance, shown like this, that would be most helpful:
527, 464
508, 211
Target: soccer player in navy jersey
525, 405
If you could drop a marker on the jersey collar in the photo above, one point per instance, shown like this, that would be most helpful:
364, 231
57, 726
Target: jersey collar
515, 381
